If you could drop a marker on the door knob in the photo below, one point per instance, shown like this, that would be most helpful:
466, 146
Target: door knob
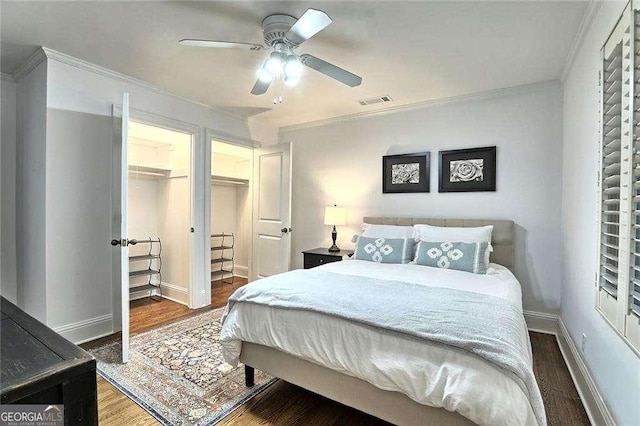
284, 230
115, 242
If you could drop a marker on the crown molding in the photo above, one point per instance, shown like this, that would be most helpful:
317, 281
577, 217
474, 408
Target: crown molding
97, 69
44, 53
231, 139
6, 77
496, 93
587, 19
30, 64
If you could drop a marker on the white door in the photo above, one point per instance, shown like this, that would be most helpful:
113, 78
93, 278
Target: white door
271, 210
120, 238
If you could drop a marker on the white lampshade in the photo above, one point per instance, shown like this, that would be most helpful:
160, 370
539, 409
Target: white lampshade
334, 215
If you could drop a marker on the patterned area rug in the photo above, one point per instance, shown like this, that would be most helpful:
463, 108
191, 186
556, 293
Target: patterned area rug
177, 373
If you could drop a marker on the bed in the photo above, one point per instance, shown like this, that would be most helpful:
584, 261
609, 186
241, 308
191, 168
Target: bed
390, 375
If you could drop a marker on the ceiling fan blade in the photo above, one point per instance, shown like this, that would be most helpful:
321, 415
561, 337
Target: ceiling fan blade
331, 70
310, 23
220, 44
261, 87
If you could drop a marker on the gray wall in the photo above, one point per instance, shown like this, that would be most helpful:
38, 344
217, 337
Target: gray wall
341, 163
78, 222
613, 365
30, 191
8, 107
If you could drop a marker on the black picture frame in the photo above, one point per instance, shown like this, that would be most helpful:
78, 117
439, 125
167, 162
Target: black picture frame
418, 173
467, 177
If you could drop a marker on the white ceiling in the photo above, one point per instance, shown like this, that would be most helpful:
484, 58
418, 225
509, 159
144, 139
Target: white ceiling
412, 51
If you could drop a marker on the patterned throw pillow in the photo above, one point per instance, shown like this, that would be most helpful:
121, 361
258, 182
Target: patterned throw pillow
384, 250
468, 257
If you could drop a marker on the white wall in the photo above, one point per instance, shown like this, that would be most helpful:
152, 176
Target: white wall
76, 89
8, 280
174, 221
161, 207
613, 365
149, 156
244, 226
31, 116
143, 207
231, 204
265, 134
231, 213
224, 214
341, 163
142, 219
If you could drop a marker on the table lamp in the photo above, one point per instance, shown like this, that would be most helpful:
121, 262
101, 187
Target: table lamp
334, 215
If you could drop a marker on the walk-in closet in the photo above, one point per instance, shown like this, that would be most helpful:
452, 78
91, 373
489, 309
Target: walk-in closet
231, 206
159, 209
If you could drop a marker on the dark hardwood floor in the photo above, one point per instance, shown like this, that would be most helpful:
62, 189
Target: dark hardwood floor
561, 400
286, 404
148, 313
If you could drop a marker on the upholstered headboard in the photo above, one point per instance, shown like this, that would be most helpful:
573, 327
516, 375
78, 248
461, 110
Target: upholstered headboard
501, 238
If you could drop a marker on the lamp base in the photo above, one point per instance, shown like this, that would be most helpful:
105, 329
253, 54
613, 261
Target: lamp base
334, 235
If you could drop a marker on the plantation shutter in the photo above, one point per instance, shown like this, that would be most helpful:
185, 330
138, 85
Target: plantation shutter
614, 97
619, 231
634, 283
632, 322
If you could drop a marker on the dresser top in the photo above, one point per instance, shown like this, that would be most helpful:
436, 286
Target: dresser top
30, 352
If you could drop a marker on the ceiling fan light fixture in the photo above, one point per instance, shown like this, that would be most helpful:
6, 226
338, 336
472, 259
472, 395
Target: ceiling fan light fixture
292, 68
283, 34
264, 75
290, 81
275, 63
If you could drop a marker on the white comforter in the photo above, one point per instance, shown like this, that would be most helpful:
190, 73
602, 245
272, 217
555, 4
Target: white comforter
430, 374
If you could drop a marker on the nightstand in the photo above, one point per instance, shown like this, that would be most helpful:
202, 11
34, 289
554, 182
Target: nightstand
320, 256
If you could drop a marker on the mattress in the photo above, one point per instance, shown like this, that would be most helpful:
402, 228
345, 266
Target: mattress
429, 373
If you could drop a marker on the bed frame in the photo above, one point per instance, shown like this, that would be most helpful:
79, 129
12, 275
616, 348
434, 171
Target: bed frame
393, 407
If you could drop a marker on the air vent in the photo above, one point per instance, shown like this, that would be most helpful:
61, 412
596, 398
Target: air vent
376, 100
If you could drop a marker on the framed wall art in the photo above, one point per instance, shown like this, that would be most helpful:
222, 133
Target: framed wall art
467, 170
405, 173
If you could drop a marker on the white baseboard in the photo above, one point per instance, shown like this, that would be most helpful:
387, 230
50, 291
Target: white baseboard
592, 401
175, 293
241, 271
86, 330
541, 322
169, 291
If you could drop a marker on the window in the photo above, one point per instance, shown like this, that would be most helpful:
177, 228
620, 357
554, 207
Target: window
618, 278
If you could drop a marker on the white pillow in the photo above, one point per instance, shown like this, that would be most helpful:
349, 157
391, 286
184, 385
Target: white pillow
387, 231
432, 234
435, 234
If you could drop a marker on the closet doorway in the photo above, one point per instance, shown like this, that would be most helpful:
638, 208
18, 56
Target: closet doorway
159, 216
231, 218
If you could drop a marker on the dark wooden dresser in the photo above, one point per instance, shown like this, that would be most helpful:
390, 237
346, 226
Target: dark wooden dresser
38, 366
320, 256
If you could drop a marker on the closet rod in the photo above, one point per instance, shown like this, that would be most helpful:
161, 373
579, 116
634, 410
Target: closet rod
135, 241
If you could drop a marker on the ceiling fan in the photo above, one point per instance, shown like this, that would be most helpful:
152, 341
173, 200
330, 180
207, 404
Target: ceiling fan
283, 34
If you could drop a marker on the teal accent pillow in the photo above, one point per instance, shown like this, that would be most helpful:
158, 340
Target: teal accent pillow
384, 250
468, 257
